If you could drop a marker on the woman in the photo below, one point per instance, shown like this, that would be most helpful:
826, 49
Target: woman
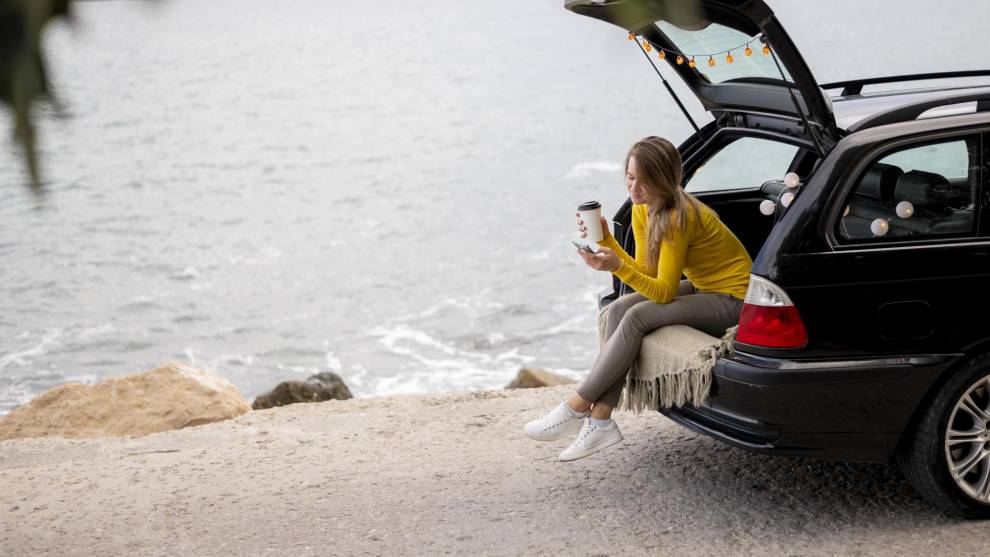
675, 233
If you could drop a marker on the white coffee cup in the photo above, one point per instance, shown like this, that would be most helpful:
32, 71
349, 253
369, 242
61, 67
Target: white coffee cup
591, 214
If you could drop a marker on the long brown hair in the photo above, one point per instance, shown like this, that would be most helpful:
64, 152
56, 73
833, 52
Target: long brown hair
661, 172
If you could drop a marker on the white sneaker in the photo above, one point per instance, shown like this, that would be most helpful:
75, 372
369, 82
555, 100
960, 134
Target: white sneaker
592, 438
555, 424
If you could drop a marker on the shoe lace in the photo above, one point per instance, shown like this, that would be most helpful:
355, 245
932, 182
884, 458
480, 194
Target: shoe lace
555, 424
586, 432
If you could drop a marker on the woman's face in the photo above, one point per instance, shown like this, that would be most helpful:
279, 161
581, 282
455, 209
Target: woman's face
637, 190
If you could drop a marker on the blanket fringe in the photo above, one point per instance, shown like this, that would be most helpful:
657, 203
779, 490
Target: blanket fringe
678, 385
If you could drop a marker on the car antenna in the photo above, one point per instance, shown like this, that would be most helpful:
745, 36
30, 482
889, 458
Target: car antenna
669, 89
797, 108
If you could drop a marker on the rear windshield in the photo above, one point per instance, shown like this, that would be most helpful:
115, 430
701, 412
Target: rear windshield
716, 42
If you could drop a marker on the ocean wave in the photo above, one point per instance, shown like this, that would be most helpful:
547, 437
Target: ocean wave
22, 357
140, 303
189, 273
584, 169
19, 390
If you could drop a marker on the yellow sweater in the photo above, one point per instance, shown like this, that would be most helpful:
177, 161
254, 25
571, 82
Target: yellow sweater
709, 255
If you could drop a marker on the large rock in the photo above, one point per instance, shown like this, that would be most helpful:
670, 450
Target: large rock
529, 378
170, 397
317, 388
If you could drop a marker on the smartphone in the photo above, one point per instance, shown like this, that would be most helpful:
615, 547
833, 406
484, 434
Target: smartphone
585, 247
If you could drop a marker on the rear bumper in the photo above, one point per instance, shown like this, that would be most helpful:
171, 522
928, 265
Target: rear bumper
837, 409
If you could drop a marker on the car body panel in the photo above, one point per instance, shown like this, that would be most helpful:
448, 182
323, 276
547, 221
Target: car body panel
852, 109
846, 409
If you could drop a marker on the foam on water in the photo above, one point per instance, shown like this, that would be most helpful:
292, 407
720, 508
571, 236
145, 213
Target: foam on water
22, 358
585, 169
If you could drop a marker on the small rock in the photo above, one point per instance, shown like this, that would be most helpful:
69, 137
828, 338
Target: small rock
529, 378
317, 388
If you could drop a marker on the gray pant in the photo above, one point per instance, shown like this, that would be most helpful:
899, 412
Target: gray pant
633, 316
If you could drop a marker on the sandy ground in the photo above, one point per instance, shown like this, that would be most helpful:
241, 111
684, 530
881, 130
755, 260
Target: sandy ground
449, 473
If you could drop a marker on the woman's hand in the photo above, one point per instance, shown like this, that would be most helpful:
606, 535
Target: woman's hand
583, 228
604, 260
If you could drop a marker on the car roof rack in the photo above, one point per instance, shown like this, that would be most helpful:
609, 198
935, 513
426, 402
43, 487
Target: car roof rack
912, 111
855, 87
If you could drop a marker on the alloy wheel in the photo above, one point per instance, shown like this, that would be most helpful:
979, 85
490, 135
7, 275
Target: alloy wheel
967, 441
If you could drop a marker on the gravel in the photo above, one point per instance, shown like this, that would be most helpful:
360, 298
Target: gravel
450, 473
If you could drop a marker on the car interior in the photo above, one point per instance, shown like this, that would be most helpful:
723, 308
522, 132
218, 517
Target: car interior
889, 201
740, 209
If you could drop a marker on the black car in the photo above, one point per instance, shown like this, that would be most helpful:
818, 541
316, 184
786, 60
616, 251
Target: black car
865, 335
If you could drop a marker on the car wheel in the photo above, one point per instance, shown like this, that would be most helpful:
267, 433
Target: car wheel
947, 457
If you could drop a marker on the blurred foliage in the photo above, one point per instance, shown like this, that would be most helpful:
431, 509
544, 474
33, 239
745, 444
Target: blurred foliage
23, 78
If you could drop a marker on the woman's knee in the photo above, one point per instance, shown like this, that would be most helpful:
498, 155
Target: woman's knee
643, 317
621, 305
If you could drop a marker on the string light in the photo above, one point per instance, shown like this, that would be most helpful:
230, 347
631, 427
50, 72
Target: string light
879, 227
681, 57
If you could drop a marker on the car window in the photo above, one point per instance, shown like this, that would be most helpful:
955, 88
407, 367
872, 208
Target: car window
713, 38
747, 162
916, 192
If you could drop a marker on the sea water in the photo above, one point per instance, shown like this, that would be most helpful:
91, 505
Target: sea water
383, 189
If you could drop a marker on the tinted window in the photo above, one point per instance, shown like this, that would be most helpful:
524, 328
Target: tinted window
745, 163
918, 191
718, 41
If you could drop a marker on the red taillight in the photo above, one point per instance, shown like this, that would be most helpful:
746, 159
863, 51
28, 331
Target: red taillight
769, 318
773, 327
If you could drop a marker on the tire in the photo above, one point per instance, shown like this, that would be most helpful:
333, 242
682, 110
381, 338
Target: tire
924, 458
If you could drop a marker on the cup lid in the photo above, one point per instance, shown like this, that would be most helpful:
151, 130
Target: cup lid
589, 205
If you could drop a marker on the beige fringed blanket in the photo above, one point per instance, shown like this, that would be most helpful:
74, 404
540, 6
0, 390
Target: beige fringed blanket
674, 366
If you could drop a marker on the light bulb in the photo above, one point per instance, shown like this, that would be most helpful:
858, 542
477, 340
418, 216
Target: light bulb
680, 59
691, 62
632, 36
879, 227
711, 61
767, 207
786, 199
904, 209
748, 51
792, 180
661, 54
728, 58
766, 49
646, 45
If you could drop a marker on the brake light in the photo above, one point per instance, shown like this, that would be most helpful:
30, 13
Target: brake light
769, 318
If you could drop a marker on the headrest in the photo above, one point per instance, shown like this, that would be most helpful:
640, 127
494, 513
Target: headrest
927, 188
879, 181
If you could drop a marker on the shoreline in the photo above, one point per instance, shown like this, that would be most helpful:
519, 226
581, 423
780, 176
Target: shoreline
448, 473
